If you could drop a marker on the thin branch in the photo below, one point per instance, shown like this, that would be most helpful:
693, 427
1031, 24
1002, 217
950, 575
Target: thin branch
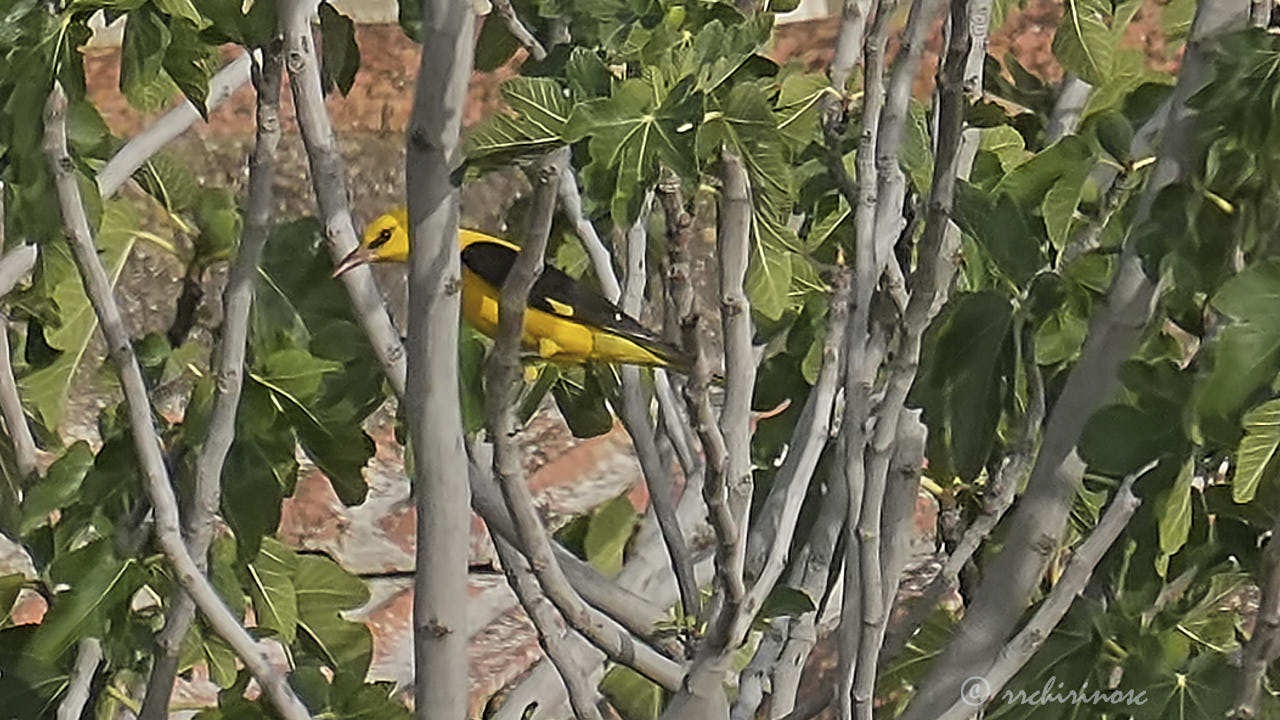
518, 29
814, 569
552, 633
237, 301
890, 178
146, 442
897, 525
79, 683
733, 249
601, 262
143, 146
502, 376
14, 265
698, 397
781, 510
808, 440
1015, 654
853, 20
1038, 522
647, 573
635, 416
329, 180
1263, 645
680, 431
440, 479
628, 609
752, 679
1000, 495
857, 382
1073, 96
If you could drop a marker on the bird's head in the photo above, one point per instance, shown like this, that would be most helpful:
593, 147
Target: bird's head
386, 239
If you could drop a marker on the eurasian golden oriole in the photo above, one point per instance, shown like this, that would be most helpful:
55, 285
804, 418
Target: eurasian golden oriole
566, 321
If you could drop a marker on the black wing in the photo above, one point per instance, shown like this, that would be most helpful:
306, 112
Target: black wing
555, 292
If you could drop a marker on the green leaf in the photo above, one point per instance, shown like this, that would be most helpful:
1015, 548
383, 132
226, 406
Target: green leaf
1115, 134
639, 126
1119, 439
634, 696
768, 279
219, 221
1004, 231
275, 603
45, 388
295, 374
10, 587
495, 46
1246, 356
339, 53
1061, 201
261, 470
962, 395
59, 487
1257, 451
169, 180
1173, 508
324, 590
607, 535
1059, 337
581, 402
534, 395
540, 108
190, 63
184, 9
1028, 182
146, 38
587, 75
100, 584
1083, 43
471, 350
797, 110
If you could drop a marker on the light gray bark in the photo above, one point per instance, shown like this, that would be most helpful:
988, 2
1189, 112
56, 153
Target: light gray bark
502, 375
1038, 522
440, 477
146, 443
1015, 654
329, 180
237, 300
143, 146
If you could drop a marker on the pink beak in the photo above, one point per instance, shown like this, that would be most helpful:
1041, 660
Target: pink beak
355, 258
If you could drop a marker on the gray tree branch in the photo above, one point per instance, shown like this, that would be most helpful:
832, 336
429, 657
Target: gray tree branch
635, 416
1263, 646
552, 633
1038, 522
1073, 96
518, 29
502, 374
857, 389
14, 265
440, 477
79, 683
237, 301
329, 180
146, 442
143, 146
1015, 654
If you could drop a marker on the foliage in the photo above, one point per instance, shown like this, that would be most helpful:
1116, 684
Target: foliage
645, 87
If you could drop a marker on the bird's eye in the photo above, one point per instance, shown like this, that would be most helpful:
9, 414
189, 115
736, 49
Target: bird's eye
382, 239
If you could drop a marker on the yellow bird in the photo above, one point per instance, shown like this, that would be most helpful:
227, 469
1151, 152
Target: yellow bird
566, 321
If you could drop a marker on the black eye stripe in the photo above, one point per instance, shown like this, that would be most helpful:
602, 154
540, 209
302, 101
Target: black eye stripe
382, 239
